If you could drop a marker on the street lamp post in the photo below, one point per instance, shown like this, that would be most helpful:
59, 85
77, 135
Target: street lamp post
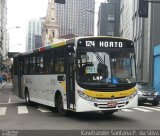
2, 32
1, 44
6, 61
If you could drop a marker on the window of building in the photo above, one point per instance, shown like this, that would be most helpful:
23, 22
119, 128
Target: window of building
111, 17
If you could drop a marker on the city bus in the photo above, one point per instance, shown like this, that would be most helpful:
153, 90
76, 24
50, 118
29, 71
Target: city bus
83, 74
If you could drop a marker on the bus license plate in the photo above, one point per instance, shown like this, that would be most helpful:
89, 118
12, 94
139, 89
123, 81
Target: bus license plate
112, 104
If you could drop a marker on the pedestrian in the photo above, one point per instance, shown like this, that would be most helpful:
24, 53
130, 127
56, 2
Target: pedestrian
1, 79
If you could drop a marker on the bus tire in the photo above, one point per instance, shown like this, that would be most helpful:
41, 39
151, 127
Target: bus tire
27, 98
60, 107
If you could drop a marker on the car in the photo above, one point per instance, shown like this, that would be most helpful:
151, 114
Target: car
147, 94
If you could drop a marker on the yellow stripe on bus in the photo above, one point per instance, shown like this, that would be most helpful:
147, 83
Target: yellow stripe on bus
63, 84
116, 94
58, 44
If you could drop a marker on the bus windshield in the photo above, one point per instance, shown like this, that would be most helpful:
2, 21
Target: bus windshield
105, 67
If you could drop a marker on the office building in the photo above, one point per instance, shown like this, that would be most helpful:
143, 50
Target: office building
3, 32
74, 18
34, 30
108, 18
145, 34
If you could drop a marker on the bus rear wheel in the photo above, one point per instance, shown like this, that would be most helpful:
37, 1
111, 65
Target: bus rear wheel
60, 107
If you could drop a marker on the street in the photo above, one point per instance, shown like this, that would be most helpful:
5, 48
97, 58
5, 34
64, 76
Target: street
15, 115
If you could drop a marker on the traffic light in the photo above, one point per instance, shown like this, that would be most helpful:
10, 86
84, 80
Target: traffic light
143, 8
60, 1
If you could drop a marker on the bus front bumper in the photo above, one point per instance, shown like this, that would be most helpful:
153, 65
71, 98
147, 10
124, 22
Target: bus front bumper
103, 105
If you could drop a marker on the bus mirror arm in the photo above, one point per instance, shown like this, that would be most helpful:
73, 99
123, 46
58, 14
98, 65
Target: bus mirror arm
138, 67
72, 59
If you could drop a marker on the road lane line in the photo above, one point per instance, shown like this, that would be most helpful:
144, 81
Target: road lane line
144, 110
9, 101
3, 110
150, 108
22, 110
12, 103
43, 110
127, 110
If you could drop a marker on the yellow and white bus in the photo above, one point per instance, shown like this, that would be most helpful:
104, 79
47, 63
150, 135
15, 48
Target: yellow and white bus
82, 74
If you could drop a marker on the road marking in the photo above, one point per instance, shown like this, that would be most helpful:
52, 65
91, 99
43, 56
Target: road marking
144, 110
22, 110
3, 110
127, 110
43, 110
9, 101
150, 108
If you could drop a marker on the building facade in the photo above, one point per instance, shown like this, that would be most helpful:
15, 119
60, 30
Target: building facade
145, 34
155, 44
34, 30
108, 18
137, 29
3, 32
126, 24
50, 32
73, 17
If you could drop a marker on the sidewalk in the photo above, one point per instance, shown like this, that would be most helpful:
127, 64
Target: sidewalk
3, 84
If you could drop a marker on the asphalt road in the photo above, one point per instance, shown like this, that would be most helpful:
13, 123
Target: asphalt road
15, 115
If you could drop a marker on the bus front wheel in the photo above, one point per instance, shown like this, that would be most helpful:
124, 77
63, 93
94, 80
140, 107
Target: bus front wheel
60, 107
109, 113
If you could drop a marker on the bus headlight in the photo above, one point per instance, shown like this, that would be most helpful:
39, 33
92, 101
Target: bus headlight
84, 96
132, 95
156, 93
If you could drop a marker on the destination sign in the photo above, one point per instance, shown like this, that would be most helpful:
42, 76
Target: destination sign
110, 44
105, 43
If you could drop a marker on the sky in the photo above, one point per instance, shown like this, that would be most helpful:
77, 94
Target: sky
18, 14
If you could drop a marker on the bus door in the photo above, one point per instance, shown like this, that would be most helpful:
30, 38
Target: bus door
70, 78
19, 77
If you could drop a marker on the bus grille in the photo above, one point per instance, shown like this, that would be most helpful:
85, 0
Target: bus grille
110, 98
105, 106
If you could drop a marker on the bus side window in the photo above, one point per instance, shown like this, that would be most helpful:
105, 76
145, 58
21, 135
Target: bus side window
47, 62
26, 65
59, 61
52, 66
39, 64
62, 65
32, 65
52, 62
56, 67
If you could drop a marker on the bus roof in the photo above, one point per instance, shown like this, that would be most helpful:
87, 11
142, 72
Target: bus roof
64, 42
112, 37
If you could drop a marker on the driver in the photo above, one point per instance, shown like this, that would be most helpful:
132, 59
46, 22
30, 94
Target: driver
102, 70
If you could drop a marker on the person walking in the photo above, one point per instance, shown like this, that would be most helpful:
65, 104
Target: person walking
1, 79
